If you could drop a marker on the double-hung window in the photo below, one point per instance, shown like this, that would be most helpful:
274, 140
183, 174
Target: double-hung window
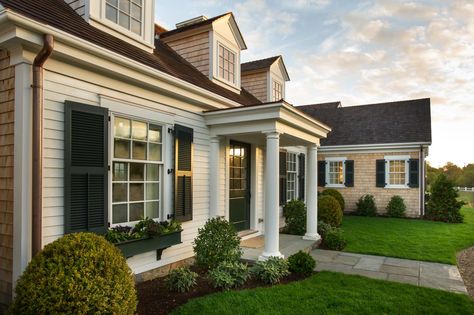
397, 172
126, 13
137, 168
335, 172
277, 91
290, 176
226, 64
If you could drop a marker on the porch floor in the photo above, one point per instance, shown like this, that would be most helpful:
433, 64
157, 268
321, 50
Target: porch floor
289, 245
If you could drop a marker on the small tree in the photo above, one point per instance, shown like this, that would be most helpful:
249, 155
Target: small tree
443, 204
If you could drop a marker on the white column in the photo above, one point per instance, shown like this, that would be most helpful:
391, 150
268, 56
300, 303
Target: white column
272, 197
312, 194
214, 177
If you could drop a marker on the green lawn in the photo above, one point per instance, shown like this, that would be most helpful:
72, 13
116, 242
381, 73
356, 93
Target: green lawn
411, 239
332, 293
467, 197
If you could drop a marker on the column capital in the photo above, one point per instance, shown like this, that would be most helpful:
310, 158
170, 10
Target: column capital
313, 146
275, 134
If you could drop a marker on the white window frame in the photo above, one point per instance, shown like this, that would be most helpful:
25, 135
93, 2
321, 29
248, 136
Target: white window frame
295, 172
274, 84
236, 60
389, 158
336, 159
114, 24
112, 159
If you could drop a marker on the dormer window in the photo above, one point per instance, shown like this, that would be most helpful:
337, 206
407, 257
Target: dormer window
277, 91
226, 64
126, 13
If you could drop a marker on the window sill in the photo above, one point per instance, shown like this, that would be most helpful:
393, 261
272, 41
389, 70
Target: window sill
335, 186
397, 187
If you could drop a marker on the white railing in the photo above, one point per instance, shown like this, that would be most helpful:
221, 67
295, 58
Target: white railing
468, 189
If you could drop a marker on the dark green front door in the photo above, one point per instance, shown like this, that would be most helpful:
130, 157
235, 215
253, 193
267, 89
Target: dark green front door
239, 185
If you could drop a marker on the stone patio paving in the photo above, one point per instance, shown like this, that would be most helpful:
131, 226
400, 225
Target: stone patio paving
420, 273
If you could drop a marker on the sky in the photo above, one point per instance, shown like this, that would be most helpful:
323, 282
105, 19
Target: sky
362, 52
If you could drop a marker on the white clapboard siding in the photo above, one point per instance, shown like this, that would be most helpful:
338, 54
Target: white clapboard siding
59, 88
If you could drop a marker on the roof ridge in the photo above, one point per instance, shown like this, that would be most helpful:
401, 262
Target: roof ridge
370, 104
263, 59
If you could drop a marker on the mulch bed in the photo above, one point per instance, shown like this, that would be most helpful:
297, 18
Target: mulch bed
466, 268
154, 297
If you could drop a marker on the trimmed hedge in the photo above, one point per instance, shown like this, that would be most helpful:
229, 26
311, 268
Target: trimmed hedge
329, 210
336, 194
80, 273
295, 217
302, 263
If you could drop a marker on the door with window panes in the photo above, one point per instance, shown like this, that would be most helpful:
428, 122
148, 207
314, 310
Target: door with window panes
137, 168
239, 185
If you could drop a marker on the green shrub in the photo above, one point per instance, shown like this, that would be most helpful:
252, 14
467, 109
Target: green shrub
301, 262
216, 242
336, 194
79, 273
271, 271
295, 217
329, 210
335, 239
366, 206
323, 228
443, 204
396, 207
229, 275
181, 279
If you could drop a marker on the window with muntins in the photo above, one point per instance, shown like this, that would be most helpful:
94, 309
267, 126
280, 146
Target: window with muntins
276, 91
290, 176
397, 172
126, 13
226, 64
137, 169
335, 172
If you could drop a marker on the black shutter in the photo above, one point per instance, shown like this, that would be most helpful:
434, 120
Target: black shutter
380, 173
301, 176
85, 168
183, 173
414, 173
321, 173
349, 173
282, 177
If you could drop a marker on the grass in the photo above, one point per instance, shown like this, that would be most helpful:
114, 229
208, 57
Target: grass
411, 239
332, 293
467, 197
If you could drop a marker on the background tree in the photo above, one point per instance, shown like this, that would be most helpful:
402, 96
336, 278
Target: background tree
452, 172
466, 179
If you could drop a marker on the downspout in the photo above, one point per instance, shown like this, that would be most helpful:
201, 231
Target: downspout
37, 176
422, 181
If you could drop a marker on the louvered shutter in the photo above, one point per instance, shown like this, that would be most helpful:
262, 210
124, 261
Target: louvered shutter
85, 168
349, 164
301, 176
380, 173
183, 173
321, 173
282, 177
414, 173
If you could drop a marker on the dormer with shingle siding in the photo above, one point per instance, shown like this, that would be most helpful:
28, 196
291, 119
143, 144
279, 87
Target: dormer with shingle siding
212, 46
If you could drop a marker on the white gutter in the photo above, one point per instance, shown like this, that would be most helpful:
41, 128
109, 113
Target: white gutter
379, 146
9, 15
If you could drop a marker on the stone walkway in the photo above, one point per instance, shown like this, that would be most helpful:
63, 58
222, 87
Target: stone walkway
420, 273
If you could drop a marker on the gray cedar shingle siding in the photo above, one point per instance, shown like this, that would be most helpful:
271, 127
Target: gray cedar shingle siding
394, 122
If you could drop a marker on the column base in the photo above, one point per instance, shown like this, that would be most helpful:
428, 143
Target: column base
265, 256
312, 237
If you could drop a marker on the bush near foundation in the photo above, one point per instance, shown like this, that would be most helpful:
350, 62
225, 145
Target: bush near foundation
396, 207
80, 273
335, 239
302, 263
443, 204
295, 217
336, 194
229, 275
329, 210
366, 206
181, 279
271, 271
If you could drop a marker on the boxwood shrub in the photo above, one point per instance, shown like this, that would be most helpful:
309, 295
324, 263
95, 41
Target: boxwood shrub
302, 263
336, 194
79, 273
329, 210
295, 217
335, 239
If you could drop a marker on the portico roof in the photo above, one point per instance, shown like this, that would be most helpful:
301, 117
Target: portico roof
295, 127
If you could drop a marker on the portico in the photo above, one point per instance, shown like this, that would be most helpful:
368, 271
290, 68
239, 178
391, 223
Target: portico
266, 127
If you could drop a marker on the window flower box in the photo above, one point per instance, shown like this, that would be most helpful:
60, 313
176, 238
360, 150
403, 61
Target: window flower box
159, 243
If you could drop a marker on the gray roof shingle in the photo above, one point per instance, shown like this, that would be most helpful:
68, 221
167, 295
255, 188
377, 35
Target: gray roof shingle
384, 123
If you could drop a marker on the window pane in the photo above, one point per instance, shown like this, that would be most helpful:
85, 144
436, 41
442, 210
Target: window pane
139, 2
137, 192
137, 211
122, 149
119, 213
120, 171
139, 130
137, 171
152, 191
136, 12
124, 20
124, 5
121, 127
111, 13
136, 27
152, 209
152, 172
155, 152
112, 2
139, 150
154, 133
119, 192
